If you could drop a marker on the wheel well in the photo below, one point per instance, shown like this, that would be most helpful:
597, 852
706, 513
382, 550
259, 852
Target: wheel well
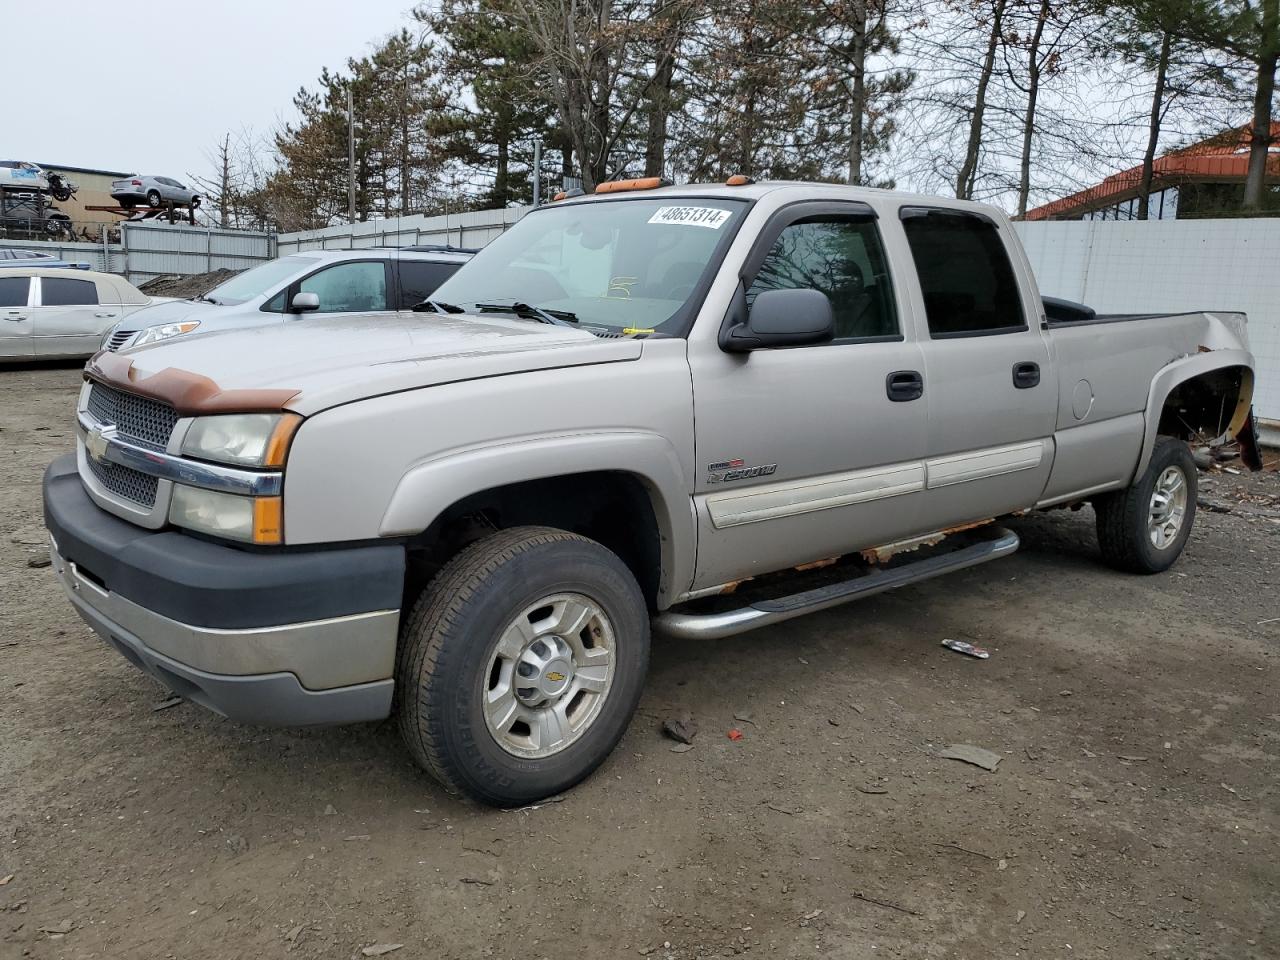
611, 507
1211, 405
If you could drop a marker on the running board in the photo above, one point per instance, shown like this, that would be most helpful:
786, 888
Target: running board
763, 613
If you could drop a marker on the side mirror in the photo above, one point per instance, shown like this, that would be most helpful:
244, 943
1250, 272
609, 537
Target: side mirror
782, 318
305, 302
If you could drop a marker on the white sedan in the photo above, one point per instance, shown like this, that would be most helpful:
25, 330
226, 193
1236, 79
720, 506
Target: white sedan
50, 313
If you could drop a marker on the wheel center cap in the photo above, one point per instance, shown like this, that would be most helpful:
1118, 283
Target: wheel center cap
556, 676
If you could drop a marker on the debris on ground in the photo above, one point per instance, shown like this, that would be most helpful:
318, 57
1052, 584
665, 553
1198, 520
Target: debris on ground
57, 929
4, 880
293, 934
873, 788
968, 753
558, 798
735, 734
961, 646
329, 811
744, 716
682, 748
681, 729
378, 949
165, 704
36, 563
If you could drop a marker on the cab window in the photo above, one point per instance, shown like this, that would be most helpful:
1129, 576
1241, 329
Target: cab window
843, 258
965, 276
357, 286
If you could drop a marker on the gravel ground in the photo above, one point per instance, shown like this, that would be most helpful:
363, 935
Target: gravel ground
1134, 812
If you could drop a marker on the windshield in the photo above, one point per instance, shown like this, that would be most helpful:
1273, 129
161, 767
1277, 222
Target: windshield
627, 265
259, 280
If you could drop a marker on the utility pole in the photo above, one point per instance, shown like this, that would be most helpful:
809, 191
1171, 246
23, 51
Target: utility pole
351, 159
537, 172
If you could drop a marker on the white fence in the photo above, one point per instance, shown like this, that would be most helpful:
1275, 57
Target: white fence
164, 249
459, 230
107, 257
1170, 266
152, 250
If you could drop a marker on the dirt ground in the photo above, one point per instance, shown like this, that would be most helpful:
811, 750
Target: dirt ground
1134, 814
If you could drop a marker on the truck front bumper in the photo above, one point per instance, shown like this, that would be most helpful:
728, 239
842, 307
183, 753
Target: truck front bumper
287, 638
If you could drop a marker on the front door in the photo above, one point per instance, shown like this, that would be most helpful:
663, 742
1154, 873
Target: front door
991, 393
809, 452
15, 317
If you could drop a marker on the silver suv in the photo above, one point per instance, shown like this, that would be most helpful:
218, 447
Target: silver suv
312, 283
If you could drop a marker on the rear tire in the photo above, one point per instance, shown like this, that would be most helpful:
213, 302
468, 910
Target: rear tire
1144, 528
521, 664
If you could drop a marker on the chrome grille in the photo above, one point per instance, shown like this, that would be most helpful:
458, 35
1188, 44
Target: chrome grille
128, 484
138, 419
119, 339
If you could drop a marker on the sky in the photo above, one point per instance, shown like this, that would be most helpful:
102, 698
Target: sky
113, 99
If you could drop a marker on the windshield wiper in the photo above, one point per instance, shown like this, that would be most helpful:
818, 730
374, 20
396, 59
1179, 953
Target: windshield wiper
437, 306
561, 318
205, 298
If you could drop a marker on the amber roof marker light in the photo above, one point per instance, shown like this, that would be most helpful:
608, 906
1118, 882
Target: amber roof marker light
739, 180
643, 183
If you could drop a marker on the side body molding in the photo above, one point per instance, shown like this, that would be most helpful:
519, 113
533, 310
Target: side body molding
431, 486
1183, 369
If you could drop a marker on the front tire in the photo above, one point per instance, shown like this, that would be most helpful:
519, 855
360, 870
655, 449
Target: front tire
153, 198
521, 664
1144, 528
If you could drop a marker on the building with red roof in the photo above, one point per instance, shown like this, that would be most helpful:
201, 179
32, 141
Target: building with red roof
1205, 179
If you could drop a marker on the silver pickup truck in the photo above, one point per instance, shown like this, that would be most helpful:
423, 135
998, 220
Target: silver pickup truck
700, 409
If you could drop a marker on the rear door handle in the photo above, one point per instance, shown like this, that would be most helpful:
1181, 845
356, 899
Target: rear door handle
904, 385
1026, 375
103, 316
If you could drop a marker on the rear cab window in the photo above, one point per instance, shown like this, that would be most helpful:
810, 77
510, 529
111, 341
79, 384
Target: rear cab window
965, 275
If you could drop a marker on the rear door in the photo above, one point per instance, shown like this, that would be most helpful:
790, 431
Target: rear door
69, 317
991, 395
15, 317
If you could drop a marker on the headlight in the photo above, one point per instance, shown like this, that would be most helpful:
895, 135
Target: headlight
164, 332
242, 439
251, 519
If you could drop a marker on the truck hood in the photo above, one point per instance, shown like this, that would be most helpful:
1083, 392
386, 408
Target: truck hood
311, 364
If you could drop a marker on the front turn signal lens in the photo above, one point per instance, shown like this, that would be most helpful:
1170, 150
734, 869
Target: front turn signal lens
278, 443
268, 520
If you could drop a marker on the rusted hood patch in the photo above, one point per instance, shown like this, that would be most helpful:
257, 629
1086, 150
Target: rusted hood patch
189, 393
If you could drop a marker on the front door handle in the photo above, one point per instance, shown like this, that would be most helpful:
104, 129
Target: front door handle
1026, 375
904, 385
104, 316
16, 317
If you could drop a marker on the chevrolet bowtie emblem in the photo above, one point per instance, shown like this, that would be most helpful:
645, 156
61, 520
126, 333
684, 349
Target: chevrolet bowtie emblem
555, 677
97, 440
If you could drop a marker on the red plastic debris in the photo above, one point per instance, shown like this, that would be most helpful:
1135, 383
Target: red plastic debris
735, 734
